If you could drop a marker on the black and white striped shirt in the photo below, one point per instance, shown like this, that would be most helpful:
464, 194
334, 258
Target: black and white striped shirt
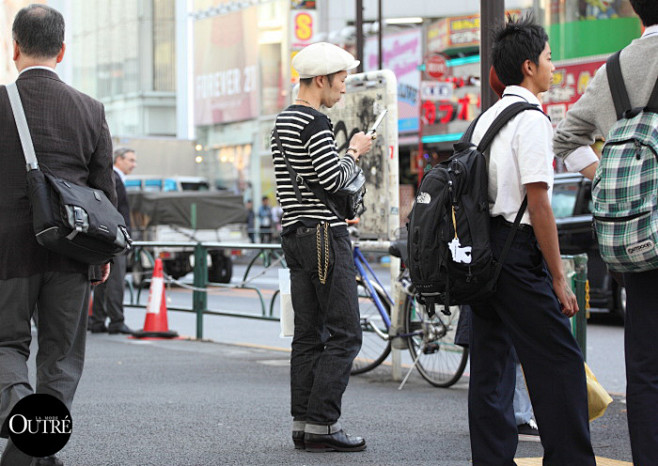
308, 139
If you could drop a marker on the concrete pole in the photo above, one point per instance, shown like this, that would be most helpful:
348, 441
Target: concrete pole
359, 34
492, 12
380, 32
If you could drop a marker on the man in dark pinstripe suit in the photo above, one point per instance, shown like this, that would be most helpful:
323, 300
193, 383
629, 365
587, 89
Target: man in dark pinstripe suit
72, 141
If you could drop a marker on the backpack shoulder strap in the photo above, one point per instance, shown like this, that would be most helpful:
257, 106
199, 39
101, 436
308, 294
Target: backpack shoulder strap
617, 86
469, 131
501, 120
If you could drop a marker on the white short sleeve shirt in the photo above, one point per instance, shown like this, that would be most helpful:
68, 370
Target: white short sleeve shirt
521, 153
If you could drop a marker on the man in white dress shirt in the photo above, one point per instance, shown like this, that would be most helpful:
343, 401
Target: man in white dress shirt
530, 310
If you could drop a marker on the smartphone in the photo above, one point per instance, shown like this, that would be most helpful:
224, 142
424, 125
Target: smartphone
377, 122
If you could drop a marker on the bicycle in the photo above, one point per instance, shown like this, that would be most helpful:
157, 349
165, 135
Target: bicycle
430, 340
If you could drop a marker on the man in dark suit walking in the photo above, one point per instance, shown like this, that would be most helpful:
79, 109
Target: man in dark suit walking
108, 297
72, 141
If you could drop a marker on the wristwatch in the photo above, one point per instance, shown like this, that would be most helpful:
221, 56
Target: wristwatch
353, 149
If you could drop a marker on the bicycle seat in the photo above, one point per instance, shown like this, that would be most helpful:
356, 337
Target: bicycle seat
398, 248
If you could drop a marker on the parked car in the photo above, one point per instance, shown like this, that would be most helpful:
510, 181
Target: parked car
572, 207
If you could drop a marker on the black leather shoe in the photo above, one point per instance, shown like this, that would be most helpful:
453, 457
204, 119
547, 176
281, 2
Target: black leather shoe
47, 461
338, 441
120, 328
298, 439
98, 328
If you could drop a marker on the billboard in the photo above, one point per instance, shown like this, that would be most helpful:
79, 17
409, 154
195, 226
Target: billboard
226, 73
402, 55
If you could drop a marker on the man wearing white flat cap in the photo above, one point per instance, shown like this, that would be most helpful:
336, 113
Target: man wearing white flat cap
327, 335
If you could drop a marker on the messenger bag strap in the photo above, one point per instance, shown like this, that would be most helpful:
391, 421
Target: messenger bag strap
295, 179
23, 129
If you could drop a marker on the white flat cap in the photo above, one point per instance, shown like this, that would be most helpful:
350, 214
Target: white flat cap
321, 59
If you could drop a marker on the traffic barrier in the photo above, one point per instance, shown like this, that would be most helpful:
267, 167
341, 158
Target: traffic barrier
155, 324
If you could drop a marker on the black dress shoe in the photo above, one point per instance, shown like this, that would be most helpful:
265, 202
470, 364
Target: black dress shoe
47, 461
338, 441
98, 328
120, 328
298, 439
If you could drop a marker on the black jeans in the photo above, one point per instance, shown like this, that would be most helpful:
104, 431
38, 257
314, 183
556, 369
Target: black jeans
641, 326
327, 334
525, 316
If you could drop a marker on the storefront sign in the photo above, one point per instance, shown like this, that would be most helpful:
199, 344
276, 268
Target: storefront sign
303, 27
436, 90
226, 80
570, 79
459, 31
302, 4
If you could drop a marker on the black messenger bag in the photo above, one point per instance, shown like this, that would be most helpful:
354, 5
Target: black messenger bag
75, 221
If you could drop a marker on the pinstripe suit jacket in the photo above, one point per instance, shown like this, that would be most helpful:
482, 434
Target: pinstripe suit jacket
71, 140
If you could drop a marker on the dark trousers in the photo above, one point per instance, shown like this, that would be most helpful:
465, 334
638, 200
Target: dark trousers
327, 334
641, 330
525, 315
108, 296
61, 301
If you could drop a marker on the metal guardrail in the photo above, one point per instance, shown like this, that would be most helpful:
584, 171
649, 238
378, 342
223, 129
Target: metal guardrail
271, 256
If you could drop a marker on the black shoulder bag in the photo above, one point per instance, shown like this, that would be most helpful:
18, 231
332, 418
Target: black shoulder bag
346, 203
75, 221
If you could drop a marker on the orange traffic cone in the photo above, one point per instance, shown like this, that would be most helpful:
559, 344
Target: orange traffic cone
155, 324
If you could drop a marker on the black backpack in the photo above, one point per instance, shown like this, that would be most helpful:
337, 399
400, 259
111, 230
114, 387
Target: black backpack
450, 257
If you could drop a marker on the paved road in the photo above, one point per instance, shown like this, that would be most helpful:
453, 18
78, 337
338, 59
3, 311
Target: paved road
226, 402
605, 352
200, 403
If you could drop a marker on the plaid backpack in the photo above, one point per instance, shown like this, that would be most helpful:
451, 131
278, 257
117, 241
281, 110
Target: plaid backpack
625, 187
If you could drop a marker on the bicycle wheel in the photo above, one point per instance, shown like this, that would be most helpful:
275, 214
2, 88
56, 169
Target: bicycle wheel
375, 348
440, 361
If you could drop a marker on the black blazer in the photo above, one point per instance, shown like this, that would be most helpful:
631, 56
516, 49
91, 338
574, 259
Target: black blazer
71, 140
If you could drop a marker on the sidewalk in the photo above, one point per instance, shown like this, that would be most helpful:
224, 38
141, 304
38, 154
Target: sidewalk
198, 403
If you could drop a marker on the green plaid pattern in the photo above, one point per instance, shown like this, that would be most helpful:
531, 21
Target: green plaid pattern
625, 195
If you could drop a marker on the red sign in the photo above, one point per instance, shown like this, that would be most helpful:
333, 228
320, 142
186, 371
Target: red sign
435, 66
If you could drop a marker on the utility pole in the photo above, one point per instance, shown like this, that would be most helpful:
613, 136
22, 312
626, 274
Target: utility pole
492, 12
359, 34
380, 33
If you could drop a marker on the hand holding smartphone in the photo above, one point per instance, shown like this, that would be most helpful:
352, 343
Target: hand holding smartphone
372, 132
